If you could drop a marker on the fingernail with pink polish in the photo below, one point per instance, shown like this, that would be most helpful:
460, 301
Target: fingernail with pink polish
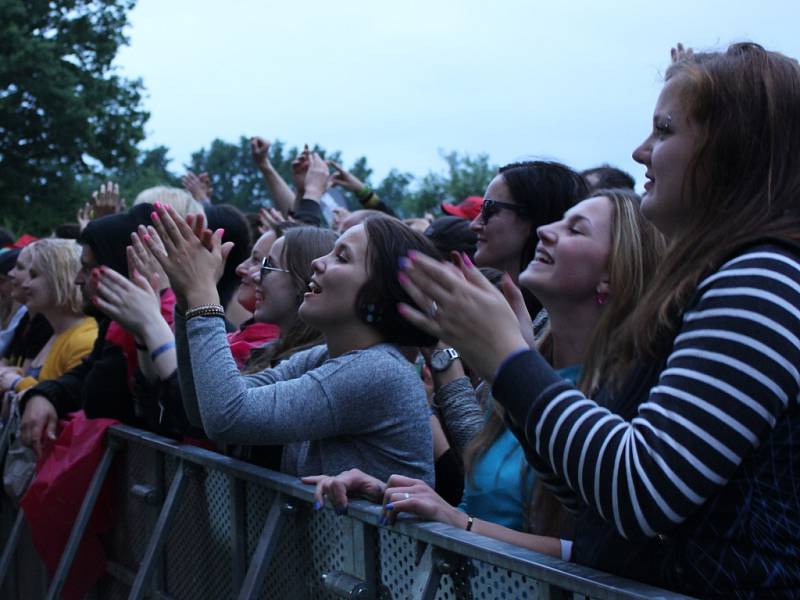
154, 216
467, 260
403, 278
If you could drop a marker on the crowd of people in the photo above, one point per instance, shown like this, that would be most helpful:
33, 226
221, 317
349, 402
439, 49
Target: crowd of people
557, 363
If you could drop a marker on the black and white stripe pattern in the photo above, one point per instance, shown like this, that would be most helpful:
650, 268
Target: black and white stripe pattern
731, 375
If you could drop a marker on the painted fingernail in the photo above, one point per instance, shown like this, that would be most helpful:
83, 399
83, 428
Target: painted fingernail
221, 232
467, 260
413, 254
403, 278
146, 237
154, 216
390, 506
340, 511
317, 504
404, 262
157, 204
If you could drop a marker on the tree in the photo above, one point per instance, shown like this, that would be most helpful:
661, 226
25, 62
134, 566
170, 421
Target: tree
465, 176
65, 113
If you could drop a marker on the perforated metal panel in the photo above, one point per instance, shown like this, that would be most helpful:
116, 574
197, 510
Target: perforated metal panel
396, 560
198, 550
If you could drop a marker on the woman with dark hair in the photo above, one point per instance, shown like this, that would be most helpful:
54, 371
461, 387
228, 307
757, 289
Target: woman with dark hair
354, 401
522, 197
684, 465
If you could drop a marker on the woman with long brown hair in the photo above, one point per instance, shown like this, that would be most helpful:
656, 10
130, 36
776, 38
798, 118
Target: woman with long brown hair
684, 465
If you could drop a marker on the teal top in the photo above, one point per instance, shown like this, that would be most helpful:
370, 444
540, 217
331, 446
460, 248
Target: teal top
501, 480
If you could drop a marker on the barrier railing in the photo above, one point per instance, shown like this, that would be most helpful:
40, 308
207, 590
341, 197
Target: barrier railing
196, 524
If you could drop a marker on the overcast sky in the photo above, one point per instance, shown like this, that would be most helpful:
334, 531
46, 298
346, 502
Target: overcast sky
397, 81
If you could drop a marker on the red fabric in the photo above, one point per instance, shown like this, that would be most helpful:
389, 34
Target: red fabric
54, 499
24, 240
254, 335
468, 209
122, 338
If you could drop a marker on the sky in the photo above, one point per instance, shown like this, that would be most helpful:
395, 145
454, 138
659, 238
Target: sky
398, 82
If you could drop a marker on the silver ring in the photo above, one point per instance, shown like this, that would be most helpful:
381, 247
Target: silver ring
406, 495
433, 310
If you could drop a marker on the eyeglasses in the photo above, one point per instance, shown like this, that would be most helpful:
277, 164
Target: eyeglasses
490, 208
267, 266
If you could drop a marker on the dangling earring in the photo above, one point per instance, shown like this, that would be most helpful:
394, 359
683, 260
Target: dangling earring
600, 298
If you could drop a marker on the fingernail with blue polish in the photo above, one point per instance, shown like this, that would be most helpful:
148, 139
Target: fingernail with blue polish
404, 262
390, 506
317, 505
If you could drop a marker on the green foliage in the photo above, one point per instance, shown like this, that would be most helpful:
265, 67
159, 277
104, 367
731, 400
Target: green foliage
465, 176
64, 112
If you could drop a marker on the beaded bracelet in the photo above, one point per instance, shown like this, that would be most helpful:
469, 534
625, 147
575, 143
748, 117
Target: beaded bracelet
470, 521
364, 193
161, 349
205, 310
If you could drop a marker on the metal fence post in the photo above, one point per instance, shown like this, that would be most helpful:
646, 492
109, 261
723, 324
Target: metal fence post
267, 543
238, 529
11, 545
78, 529
156, 543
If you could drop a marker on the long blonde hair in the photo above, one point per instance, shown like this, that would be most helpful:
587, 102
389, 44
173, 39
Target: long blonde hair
635, 252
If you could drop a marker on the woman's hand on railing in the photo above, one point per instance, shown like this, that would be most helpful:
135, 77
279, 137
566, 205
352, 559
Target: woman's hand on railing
404, 494
336, 489
38, 423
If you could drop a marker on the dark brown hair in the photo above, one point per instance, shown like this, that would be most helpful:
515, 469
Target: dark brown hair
388, 240
301, 246
742, 184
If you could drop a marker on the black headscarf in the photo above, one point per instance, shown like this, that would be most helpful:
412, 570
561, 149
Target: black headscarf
109, 236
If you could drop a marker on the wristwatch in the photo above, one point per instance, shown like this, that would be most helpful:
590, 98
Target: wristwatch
442, 359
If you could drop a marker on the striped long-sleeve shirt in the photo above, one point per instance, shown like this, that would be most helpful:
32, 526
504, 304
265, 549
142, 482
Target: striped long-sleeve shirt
730, 378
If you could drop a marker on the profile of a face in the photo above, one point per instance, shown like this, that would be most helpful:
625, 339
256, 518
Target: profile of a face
571, 260
667, 153
338, 276
19, 275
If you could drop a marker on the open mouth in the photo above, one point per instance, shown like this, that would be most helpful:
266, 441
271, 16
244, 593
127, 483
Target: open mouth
542, 256
314, 288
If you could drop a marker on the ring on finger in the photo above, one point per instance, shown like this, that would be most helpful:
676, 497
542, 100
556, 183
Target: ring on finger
433, 310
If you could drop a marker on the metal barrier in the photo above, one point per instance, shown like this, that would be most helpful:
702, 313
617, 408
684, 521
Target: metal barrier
196, 524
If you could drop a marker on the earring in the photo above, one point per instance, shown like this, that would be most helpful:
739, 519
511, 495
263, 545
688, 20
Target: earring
371, 313
600, 298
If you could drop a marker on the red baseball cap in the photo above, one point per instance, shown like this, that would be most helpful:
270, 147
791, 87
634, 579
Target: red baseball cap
24, 240
468, 209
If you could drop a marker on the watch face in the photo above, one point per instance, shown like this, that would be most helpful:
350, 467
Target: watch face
441, 359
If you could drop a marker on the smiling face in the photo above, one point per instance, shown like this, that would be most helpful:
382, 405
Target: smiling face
502, 237
19, 275
666, 153
276, 297
248, 271
571, 260
37, 288
338, 277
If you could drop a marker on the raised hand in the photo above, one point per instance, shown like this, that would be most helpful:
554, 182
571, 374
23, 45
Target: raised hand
271, 218
133, 304
106, 201
316, 178
192, 256
404, 494
680, 53
299, 169
462, 307
344, 178
84, 215
259, 148
199, 186
336, 489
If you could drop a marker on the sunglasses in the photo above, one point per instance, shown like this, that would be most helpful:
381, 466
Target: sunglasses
490, 208
267, 266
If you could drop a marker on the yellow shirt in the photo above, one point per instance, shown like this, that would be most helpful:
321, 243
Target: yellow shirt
68, 350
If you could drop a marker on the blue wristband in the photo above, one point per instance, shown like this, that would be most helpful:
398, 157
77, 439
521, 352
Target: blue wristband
161, 349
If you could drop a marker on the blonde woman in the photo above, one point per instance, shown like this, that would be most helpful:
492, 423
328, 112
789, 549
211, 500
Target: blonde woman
49, 289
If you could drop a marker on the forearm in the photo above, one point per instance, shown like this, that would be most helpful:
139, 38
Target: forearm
461, 414
280, 192
156, 338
